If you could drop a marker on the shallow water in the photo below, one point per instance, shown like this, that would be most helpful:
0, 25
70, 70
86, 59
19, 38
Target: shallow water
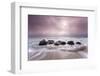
33, 42
47, 52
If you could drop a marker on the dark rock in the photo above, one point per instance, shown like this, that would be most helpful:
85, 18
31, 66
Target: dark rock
63, 43
70, 42
43, 42
50, 42
60, 43
57, 43
79, 43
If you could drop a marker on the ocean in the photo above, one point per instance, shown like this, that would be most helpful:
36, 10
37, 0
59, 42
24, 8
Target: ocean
48, 52
33, 42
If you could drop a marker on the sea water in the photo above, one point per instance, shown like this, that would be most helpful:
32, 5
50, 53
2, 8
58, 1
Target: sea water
37, 52
34, 42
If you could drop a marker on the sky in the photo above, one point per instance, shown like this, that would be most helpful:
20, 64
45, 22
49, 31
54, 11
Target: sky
46, 25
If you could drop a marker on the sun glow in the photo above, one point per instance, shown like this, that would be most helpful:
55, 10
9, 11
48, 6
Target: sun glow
64, 25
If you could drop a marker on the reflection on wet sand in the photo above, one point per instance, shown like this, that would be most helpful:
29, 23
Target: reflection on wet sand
61, 53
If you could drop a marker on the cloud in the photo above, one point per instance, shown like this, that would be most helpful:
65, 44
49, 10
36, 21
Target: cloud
39, 25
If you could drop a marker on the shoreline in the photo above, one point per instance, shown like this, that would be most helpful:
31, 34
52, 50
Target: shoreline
45, 54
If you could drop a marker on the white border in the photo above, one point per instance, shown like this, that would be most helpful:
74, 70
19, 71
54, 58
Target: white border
19, 39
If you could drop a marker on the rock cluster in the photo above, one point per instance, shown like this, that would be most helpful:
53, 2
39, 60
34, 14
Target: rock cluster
57, 43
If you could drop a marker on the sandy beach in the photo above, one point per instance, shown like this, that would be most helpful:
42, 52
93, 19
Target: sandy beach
45, 54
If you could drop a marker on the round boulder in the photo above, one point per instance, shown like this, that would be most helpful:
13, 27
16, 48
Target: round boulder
70, 43
43, 42
57, 43
79, 43
50, 41
63, 43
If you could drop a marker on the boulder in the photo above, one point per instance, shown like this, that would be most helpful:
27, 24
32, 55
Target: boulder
43, 42
79, 43
63, 43
60, 43
57, 43
70, 42
50, 41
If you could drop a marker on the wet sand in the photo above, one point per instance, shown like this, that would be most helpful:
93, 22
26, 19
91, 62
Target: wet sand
56, 54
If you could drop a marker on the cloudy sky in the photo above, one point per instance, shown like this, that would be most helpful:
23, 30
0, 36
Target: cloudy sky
39, 25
